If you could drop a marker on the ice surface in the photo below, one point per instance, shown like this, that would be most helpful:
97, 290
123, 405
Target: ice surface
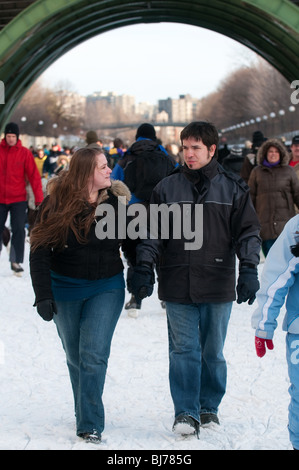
36, 404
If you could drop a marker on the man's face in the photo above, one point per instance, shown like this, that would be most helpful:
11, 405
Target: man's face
11, 139
196, 154
295, 151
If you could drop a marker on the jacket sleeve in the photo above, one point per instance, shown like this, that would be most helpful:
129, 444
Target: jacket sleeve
150, 249
117, 173
34, 178
40, 273
246, 229
278, 276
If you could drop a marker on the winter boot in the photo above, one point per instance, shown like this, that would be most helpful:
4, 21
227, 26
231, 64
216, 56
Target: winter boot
207, 418
185, 425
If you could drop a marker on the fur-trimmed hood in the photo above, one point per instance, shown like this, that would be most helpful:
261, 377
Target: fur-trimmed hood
117, 188
262, 152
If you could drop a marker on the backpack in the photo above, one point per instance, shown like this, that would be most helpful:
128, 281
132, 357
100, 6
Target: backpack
146, 170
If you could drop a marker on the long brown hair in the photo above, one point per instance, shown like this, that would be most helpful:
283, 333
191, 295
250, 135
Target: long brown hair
67, 205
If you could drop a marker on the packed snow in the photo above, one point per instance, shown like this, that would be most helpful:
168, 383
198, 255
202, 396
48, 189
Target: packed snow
36, 404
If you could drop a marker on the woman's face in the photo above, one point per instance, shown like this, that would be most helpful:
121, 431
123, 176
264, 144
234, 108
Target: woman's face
101, 175
273, 155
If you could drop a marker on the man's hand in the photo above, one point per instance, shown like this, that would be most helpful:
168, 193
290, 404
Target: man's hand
142, 282
248, 285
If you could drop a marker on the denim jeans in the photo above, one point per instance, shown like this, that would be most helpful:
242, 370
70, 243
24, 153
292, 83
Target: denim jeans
292, 342
197, 368
18, 216
86, 328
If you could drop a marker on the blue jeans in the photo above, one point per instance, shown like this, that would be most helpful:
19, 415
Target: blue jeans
86, 328
292, 342
197, 368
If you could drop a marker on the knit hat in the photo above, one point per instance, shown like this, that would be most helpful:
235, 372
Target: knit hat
12, 128
295, 139
236, 151
91, 137
147, 131
258, 139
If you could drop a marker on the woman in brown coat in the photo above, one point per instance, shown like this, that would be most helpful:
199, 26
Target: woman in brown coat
274, 189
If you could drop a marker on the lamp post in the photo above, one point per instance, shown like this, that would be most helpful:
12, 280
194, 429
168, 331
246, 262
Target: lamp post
272, 116
292, 109
54, 129
281, 113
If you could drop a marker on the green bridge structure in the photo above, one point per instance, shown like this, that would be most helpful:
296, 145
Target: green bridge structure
34, 34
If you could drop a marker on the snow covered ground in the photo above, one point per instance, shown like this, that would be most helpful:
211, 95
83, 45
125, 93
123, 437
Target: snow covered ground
36, 405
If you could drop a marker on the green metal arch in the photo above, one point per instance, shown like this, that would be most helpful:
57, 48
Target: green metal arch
47, 29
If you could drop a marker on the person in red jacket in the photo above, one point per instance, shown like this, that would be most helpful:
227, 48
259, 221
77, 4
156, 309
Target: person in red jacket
17, 167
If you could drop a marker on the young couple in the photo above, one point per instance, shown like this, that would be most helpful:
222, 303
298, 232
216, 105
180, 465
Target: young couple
78, 278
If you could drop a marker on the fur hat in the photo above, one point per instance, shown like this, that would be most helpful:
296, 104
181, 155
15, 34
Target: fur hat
91, 137
12, 128
147, 131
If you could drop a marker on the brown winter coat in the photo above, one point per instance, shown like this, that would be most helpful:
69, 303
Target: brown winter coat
274, 191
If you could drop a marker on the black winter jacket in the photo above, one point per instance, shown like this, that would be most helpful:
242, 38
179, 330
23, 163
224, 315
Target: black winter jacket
96, 259
229, 227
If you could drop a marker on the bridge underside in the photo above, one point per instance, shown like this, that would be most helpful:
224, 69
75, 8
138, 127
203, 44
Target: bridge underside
46, 29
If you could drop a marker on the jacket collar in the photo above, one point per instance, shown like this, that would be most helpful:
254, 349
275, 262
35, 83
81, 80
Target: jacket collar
207, 171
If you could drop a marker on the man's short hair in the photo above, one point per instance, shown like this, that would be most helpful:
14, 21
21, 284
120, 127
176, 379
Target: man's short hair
204, 131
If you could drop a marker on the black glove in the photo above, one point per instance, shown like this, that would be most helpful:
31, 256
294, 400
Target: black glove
142, 282
248, 285
46, 309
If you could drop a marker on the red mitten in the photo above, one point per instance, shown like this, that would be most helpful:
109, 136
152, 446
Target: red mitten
260, 345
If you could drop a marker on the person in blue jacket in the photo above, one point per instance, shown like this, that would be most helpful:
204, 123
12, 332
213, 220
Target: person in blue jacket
145, 138
146, 142
279, 285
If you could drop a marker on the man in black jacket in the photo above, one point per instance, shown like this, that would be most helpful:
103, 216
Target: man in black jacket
197, 279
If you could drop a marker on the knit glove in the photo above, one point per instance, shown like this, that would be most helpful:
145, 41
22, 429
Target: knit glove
248, 285
260, 346
142, 282
46, 309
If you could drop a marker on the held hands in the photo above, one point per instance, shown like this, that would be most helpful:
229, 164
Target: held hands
46, 309
248, 285
142, 282
260, 346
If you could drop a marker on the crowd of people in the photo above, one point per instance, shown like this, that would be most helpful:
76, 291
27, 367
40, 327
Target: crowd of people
237, 202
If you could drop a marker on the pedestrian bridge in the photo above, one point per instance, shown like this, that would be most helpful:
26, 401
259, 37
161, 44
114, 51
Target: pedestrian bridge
34, 34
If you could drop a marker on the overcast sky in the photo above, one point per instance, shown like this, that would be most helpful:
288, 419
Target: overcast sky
151, 62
